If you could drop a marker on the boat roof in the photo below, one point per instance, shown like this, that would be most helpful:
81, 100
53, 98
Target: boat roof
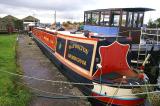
68, 33
139, 9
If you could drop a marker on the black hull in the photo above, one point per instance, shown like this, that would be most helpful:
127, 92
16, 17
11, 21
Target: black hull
66, 71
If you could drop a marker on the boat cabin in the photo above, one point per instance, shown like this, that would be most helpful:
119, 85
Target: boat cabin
115, 22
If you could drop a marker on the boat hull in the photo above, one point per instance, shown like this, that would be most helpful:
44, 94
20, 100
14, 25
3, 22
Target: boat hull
70, 74
75, 77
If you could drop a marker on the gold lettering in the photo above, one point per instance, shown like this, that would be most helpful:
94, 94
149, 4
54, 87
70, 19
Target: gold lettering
72, 57
79, 47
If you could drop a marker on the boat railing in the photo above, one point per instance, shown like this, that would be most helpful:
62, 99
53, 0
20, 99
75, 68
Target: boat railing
129, 31
150, 35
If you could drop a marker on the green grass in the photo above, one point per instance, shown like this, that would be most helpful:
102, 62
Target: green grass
11, 92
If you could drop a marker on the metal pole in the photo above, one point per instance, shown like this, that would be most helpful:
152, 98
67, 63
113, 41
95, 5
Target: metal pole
55, 16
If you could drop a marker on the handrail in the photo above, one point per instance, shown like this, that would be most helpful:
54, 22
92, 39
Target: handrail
155, 35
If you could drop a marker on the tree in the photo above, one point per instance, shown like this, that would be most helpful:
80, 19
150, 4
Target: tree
69, 22
18, 24
158, 22
65, 24
151, 24
154, 24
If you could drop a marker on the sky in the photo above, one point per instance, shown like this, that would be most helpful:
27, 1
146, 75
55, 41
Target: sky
70, 10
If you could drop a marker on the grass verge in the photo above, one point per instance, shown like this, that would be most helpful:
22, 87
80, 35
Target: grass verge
11, 92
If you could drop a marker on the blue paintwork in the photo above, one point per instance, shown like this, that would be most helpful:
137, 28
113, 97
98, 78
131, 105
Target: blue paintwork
60, 46
106, 31
87, 57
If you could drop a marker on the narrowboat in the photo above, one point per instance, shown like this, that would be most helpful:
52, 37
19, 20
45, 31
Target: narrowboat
111, 56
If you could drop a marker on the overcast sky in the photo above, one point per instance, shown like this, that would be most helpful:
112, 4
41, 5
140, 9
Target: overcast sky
70, 9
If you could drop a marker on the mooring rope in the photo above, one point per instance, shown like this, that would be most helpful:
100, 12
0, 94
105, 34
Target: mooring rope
146, 87
82, 97
115, 93
75, 83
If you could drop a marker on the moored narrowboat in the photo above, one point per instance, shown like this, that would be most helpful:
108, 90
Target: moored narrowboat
102, 55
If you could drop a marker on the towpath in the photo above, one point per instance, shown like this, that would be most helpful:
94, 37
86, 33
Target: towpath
34, 63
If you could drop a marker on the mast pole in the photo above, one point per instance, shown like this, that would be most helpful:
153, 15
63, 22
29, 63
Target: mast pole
55, 16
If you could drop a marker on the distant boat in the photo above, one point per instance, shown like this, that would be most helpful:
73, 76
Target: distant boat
106, 56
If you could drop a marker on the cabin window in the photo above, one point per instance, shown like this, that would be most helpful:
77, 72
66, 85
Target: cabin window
104, 18
95, 18
85, 18
124, 18
114, 18
135, 21
140, 23
130, 16
88, 18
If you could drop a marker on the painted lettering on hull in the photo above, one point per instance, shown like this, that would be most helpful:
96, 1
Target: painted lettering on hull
80, 53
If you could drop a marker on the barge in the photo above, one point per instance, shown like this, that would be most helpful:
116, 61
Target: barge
106, 55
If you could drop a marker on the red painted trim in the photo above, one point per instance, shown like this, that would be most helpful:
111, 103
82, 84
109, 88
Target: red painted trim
114, 59
119, 101
49, 39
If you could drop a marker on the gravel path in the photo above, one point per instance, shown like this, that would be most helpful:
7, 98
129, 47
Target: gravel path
35, 63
